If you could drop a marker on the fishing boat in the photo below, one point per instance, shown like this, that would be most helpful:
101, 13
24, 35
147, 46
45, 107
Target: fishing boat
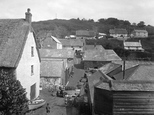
36, 103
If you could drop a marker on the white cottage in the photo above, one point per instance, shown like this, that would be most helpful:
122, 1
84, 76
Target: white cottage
18, 49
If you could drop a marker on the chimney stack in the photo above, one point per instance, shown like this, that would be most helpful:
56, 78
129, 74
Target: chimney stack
28, 16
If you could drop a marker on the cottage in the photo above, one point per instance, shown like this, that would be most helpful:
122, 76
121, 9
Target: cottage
139, 34
75, 44
56, 65
19, 51
133, 46
85, 34
116, 33
96, 58
50, 42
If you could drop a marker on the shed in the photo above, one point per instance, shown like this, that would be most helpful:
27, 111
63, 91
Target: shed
124, 98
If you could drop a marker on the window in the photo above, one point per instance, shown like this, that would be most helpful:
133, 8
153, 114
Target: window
32, 51
32, 69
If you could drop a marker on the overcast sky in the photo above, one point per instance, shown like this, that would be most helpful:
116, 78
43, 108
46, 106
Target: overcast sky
132, 10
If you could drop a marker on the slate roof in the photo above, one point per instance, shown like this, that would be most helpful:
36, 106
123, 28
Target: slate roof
92, 47
128, 73
143, 72
140, 31
85, 33
13, 35
127, 85
56, 53
100, 55
132, 44
95, 79
109, 67
118, 31
52, 68
72, 42
78, 74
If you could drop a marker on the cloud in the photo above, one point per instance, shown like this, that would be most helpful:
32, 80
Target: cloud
132, 10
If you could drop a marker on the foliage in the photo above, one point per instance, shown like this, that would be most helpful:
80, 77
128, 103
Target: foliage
13, 99
61, 27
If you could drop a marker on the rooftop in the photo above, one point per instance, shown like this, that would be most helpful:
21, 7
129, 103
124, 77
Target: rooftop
56, 53
13, 35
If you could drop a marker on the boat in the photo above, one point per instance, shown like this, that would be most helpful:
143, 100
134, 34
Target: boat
37, 103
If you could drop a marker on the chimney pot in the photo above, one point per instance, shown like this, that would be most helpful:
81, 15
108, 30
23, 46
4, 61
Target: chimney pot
28, 16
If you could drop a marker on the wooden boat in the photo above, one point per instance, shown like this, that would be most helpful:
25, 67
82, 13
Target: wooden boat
36, 104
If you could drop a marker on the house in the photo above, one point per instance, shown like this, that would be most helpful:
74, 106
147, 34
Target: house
85, 34
133, 46
139, 34
96, 58
56, 66
50, 42
75, 44
116, 33
19, 51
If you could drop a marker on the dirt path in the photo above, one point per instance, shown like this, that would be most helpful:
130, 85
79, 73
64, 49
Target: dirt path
56, 104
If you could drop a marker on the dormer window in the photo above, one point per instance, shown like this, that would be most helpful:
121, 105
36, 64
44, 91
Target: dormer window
32, 51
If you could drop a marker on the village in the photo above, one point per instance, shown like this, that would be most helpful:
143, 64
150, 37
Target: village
73, 77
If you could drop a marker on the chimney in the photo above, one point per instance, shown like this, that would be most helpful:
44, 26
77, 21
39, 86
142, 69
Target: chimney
28, 16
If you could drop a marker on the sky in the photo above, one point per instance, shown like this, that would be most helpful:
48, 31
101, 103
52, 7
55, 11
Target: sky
131, 10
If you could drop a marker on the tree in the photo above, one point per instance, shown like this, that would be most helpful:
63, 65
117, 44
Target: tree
141, 24
13, 99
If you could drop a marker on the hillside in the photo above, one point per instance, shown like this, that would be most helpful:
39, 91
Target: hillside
61, 28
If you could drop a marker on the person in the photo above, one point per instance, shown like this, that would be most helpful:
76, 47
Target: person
47, 109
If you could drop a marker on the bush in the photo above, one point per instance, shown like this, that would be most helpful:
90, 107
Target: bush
13, 99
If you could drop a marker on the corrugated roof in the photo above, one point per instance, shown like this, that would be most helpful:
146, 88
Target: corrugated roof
56, 53
118, 31
72, 42
13, 35
52, 68
100, 55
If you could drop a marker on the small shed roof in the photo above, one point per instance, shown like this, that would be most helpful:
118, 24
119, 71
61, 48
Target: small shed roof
52, 68
56, 53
